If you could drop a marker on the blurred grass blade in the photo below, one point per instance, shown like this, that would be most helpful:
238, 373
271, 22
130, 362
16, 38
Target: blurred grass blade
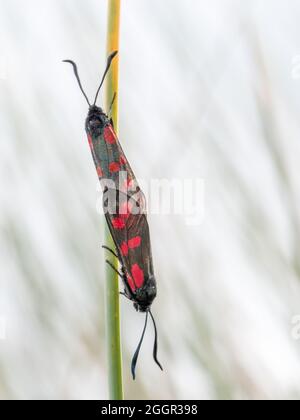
113, 336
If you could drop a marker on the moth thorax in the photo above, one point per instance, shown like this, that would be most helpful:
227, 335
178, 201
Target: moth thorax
96, 119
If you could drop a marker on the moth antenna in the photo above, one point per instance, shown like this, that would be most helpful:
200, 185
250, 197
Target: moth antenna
78, 79
136, 354
109, 61
155, 343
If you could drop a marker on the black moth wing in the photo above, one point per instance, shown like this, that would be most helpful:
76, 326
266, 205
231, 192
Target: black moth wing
137, 229
125, 211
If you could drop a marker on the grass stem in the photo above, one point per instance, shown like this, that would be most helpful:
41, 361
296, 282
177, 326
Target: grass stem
113, 333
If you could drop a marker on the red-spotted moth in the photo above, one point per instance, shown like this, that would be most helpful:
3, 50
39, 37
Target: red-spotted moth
125, 211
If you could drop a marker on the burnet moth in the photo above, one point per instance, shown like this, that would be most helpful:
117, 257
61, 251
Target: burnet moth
125, 211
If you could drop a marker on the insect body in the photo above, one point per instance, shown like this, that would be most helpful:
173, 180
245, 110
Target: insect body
125, 211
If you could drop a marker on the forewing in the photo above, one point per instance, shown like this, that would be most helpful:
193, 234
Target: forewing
124, 207
130, 231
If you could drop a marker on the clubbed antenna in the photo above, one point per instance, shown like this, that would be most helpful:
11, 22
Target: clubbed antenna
155, 343
78, 79
109, 61
136, 354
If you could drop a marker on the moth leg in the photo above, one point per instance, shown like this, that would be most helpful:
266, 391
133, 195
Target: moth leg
114, 269
119, 259
128, 295
112, 252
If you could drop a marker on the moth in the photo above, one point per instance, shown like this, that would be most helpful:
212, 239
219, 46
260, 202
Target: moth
125, 211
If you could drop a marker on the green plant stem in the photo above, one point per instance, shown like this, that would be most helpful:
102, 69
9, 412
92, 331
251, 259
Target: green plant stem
113, 335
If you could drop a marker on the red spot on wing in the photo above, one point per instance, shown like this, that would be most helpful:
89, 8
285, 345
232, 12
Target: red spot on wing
124, 187
90, 141
135, 242
124, 249
125, 210
131, 283
128, 185
131, 244
130, 207
118, 223
114, 167
99, 172
138, 275
123, 160
109, 135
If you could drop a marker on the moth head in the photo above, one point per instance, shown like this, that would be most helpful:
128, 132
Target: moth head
95, 120
146, 295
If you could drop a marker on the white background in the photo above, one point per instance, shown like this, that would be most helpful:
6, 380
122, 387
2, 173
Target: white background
208, 89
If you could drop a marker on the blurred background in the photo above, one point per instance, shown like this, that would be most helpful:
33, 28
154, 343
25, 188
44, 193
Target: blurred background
209, 90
